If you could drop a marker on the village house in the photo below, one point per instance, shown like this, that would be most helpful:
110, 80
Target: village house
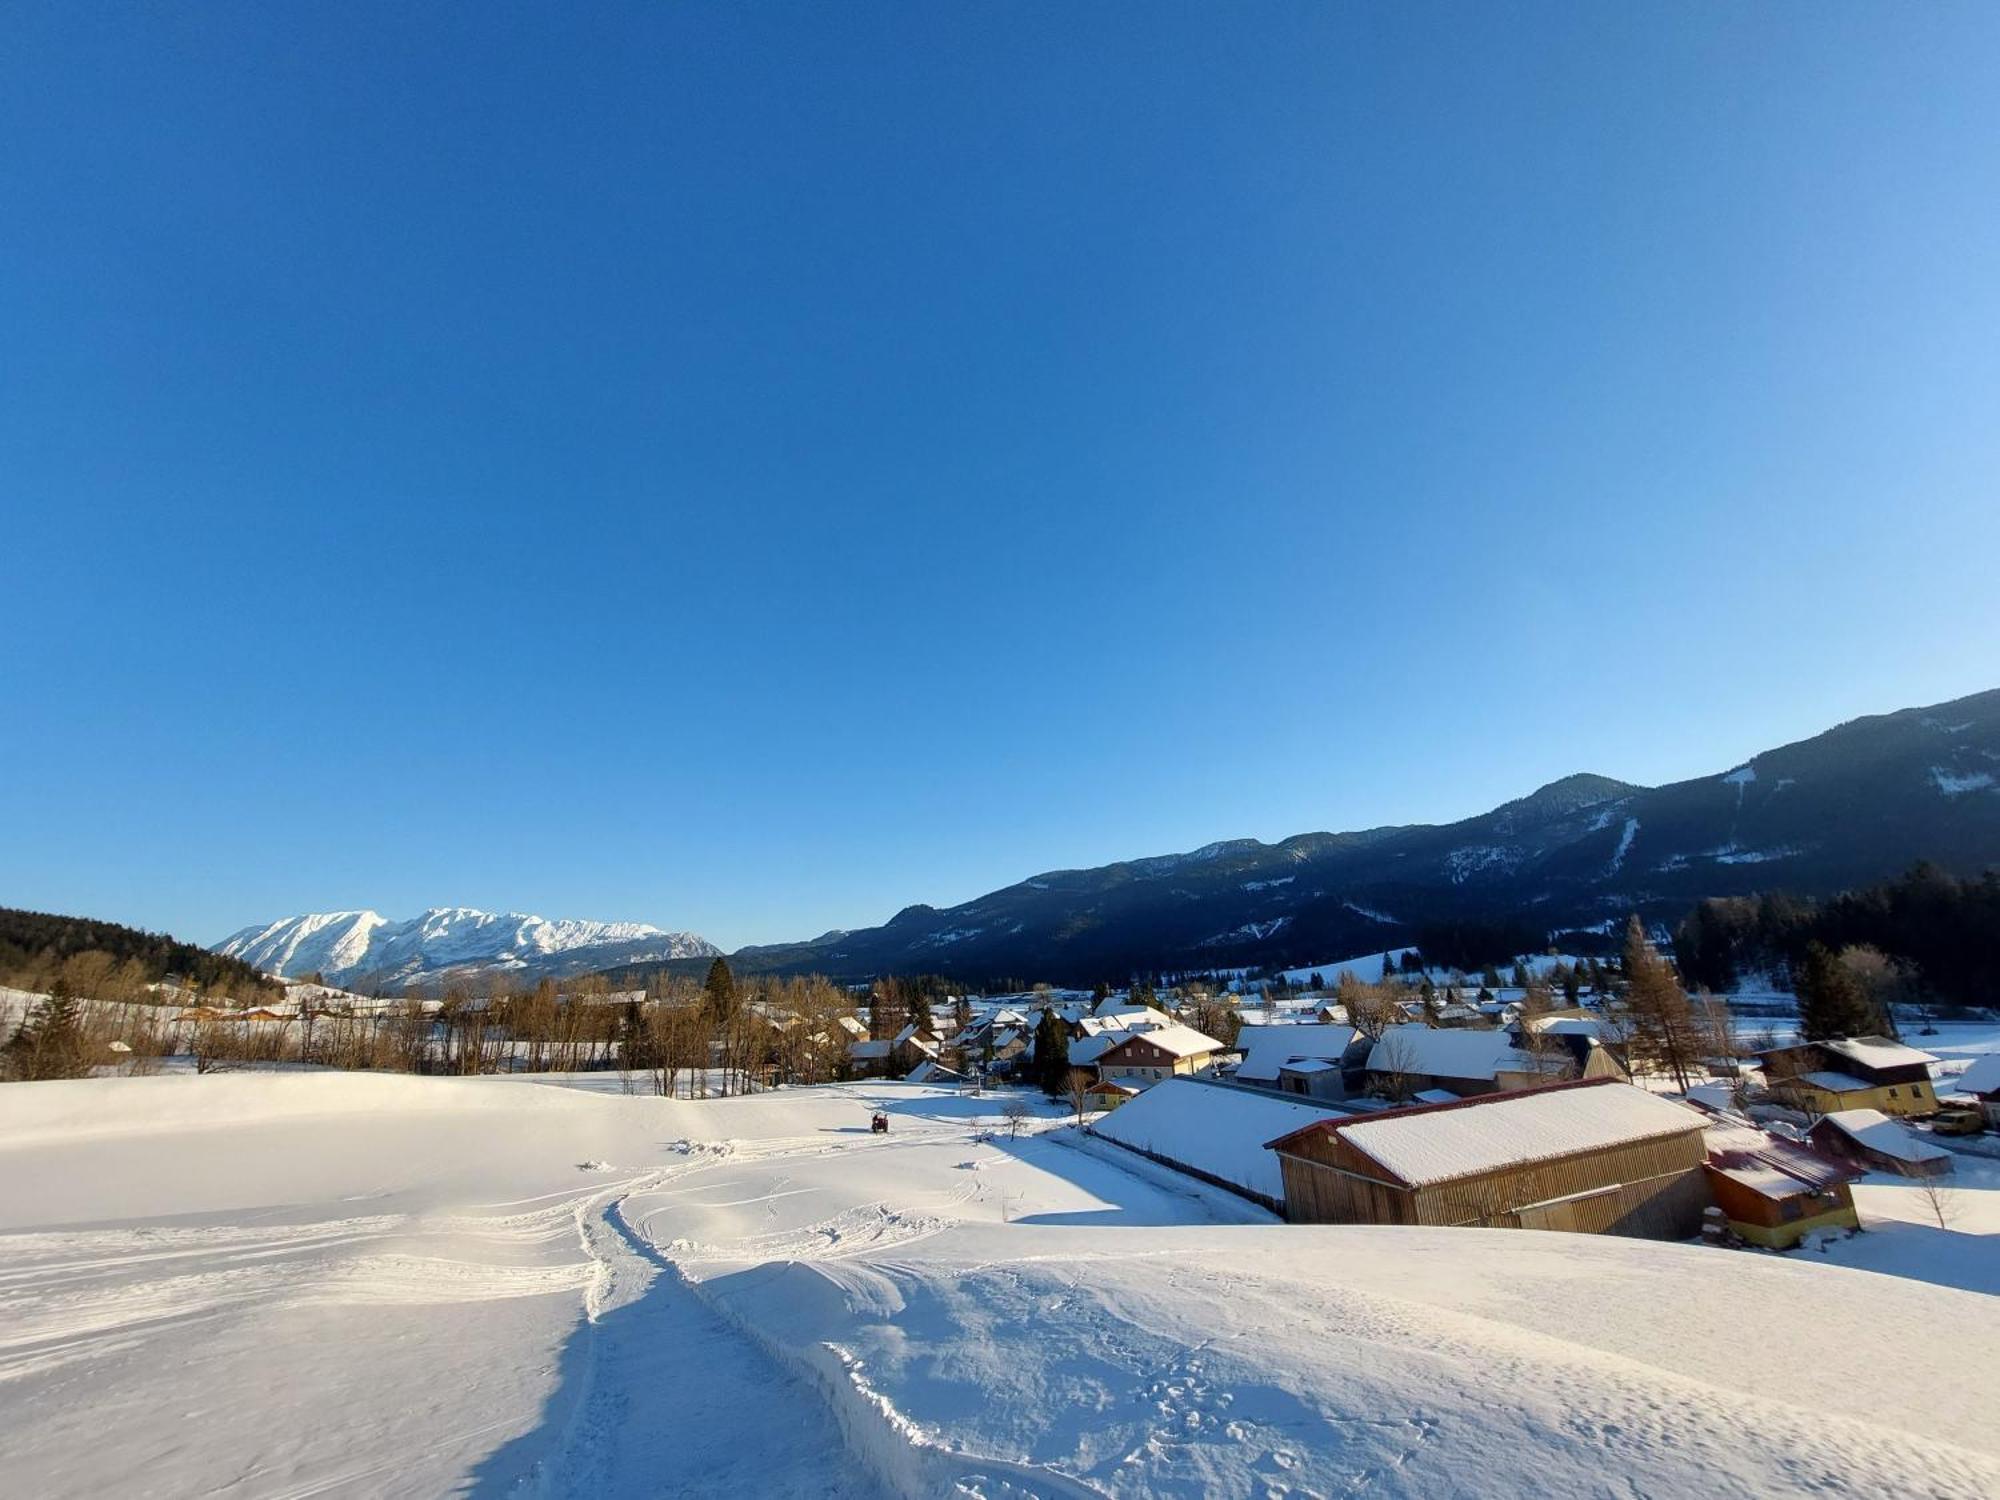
912, 1047
1775, 1192
869, 1058
1981, 1082
1594, 1156
1878, 1144
1312, 1059
1094, 1036
1410, 1058
1857, 1072
1107, 1094
1145, 1057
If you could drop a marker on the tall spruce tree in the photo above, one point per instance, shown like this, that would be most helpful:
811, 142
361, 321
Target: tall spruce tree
49, 1041
1052, 1053
718, 993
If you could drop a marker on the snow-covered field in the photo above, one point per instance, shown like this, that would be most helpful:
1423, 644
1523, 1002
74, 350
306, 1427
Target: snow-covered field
284, 1285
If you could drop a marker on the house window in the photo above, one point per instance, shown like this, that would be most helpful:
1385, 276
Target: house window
1892, 1093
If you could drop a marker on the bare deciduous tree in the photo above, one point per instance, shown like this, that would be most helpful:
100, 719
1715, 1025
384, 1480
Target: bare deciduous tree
1078, 1091
1014, 1112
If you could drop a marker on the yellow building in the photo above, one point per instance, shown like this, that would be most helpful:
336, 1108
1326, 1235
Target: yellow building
1857, 1072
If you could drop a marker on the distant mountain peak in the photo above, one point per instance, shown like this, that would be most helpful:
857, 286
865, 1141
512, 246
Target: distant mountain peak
1577, 790
346, 946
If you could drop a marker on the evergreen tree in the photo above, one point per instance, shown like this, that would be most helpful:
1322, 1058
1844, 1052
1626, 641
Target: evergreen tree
1051, 1053
718, 993
49, 1041
1571, 976
1831, 1001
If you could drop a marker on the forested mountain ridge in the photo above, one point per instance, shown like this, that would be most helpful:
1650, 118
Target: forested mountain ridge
1856, 804
35, 944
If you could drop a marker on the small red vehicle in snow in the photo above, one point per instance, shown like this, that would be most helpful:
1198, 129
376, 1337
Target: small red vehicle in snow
879, 1124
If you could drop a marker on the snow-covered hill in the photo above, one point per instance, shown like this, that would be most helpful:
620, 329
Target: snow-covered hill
366, 1284
345, 946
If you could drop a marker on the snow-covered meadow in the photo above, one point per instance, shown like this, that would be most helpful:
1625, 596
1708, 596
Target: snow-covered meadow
262, 1284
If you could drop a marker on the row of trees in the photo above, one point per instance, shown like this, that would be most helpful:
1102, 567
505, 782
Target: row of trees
1934, 931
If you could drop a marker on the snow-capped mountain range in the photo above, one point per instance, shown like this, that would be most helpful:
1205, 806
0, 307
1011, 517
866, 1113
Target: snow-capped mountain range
350, 946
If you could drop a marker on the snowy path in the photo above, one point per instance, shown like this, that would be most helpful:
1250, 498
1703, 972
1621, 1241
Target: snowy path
661, 1398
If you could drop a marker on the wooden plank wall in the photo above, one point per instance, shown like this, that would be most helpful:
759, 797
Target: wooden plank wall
1659, 1190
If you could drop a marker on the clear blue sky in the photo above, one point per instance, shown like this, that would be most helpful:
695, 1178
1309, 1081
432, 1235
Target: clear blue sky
750, 468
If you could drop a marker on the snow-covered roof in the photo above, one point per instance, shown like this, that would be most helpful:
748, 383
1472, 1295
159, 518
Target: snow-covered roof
1307, 1065
1433, 1096
1983, 1077
1597, 1028
1133, 1018
1084, 1051
864, 1050
1878, 1052
1267, 1048
1213, 1128
1176, 1041
1714, 1097
1443, 1142
1835, 1083
1769, 1164
1417, 1048
1879, 1133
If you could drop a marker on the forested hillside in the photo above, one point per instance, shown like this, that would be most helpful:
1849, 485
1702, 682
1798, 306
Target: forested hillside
36, 946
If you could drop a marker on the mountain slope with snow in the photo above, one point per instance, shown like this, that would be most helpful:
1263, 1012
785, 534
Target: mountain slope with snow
352, 946
1857, 804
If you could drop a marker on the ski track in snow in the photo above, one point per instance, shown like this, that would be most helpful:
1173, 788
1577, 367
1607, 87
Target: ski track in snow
703, 1359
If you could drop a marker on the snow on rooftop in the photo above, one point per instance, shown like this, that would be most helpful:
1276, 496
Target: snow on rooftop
1177, 1041
1506, 1130
1267, 1048
1879, 1133
1212, 1128
1417, 1048
1983, 1077
1878, 1052
1084, 1051
1769, 1164
1836, 1083
1309, 1065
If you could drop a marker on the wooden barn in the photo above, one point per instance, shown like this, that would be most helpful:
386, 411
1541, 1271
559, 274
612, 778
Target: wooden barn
1596, 1156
